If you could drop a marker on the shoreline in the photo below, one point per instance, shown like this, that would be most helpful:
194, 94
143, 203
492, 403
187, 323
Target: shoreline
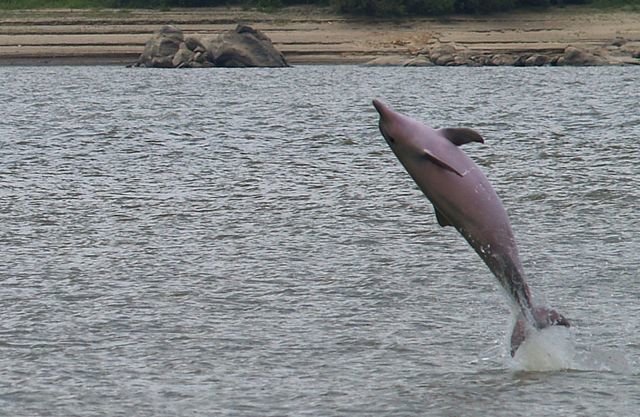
312, 35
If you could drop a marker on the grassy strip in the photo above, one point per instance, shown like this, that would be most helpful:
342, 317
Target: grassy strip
626, 5
80, 4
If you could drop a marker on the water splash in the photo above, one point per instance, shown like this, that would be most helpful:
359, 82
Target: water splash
554, 349
549, 349
595, 358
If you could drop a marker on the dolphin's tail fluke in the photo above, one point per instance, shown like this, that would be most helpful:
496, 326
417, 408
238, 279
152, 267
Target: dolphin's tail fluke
509, 272
543, 317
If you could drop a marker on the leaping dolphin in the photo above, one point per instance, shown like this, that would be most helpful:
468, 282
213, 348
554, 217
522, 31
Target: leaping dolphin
463, 198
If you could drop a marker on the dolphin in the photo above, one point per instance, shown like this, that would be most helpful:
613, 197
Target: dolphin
463, 198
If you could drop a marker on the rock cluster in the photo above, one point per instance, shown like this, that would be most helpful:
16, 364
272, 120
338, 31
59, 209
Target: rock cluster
168, 48
243, 46
452, 54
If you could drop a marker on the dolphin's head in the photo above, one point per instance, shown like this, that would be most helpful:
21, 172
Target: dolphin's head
543, 316
387, 117
404, 135
415, 143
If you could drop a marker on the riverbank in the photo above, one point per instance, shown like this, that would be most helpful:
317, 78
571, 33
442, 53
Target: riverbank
311, 35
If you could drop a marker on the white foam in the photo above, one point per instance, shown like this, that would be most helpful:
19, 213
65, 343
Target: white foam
549, 349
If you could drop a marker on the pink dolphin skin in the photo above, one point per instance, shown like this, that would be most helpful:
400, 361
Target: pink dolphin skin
463, 198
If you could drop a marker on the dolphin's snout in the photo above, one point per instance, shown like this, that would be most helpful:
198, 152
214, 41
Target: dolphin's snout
378, 105
384, 112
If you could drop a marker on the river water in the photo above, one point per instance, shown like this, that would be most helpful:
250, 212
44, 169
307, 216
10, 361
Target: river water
244, 243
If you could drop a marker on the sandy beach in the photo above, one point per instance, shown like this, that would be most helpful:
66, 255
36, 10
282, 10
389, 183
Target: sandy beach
305, 35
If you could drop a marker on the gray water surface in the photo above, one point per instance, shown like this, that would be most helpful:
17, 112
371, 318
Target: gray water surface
243, 242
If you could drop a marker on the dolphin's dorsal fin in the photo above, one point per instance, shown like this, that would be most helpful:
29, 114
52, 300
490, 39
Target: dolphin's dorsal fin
442, 220
442, 163
461, 135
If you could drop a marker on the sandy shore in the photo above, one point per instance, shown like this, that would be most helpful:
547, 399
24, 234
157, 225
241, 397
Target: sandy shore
304, 35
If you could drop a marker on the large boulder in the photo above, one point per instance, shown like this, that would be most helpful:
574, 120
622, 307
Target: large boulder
580, 57
443, 54
160, 49
168, 48
450, 54
244, 47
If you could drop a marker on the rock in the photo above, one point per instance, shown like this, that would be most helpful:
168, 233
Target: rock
160, 62
168, 48
171, 32
160, 49
194, 44
242, 47
439, 50
443, 53
502, 60
450, 54
461, 59
537, 60
444, 59
183, 57
199, 57
580, 57
478, 60
245, 47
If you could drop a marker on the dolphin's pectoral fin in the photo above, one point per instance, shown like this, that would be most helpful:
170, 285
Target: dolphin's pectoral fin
441, 162
442, 220
461, 135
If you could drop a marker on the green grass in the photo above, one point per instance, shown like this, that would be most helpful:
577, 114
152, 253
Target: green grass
53, 4
627, 5
79, 4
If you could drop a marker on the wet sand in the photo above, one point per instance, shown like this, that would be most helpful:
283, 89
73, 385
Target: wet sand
306, 35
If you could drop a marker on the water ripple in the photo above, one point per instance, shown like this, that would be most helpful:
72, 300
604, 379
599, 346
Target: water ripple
177, 242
